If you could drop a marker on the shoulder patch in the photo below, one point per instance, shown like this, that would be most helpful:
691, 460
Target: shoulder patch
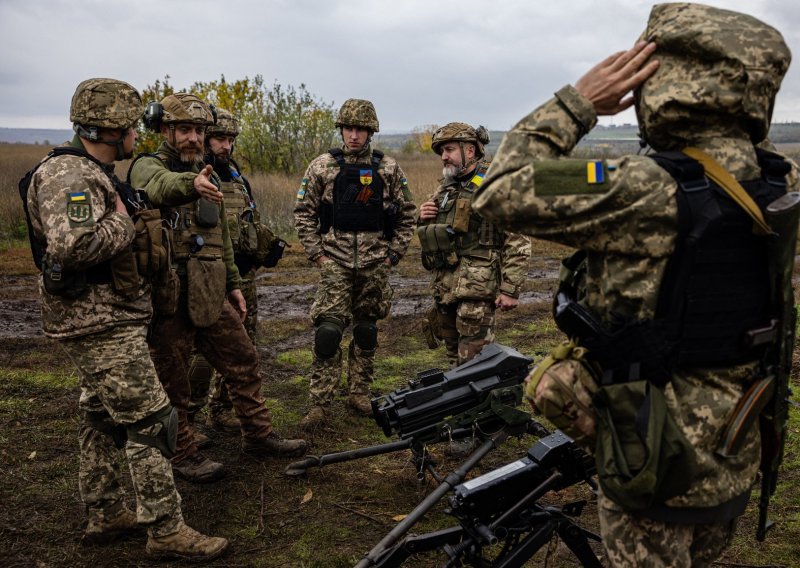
405, 189
301, 193
571, 177
79, 209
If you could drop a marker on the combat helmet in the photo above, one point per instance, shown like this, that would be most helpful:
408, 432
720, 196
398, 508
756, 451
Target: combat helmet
226, 125
186, 108
460, 132
358, 112
105, 103
718, 75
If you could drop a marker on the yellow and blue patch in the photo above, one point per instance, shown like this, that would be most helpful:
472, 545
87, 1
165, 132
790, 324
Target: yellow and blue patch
477, 179
79, 209
77, 196
365, 176
301, 193
595, 172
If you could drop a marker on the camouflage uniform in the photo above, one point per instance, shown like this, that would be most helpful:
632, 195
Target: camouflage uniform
490, 261
71, 201
628, 226
222, 341
354, 282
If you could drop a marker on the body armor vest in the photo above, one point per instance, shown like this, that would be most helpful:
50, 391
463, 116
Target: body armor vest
716, 289
239, 211
358, 192
457, 230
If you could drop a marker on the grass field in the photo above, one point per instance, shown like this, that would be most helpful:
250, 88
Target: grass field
328, 519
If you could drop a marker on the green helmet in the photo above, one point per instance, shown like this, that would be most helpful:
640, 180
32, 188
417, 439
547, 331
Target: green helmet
186, 108
358, 112
460, 132
227, 125
719, 73
106, 103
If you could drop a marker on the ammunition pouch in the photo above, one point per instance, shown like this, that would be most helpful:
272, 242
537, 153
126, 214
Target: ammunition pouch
438, 246
125, 274
162, 434
206, 290
151, 243
275, 253
206, 213
64, 283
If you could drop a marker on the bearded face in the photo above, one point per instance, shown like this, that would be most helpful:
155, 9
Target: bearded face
221, 147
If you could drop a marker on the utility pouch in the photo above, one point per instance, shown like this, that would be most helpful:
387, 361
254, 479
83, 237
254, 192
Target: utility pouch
438, 246
462, 215
151, 243
642, 456
431, 328
206, 213
561, 387
125, 274
275, 253
265, 241
166, 291
206, 290
63, 283
247, 239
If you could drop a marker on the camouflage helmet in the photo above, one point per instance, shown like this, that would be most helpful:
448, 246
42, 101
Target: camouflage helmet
358, 112
226, 125
460, 132
719, 73
186, 108
105, 103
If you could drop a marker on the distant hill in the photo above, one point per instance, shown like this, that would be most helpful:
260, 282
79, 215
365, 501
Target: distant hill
45, 136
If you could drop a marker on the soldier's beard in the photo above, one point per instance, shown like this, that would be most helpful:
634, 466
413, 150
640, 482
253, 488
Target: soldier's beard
222, 157
191, 157
450, 171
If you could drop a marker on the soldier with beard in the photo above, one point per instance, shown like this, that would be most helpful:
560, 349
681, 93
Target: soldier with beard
96, 304
188, 194
354, 216
679, 299
475, 266
254, 245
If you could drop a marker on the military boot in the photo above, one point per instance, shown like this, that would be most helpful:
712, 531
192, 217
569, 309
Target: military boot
315, 418
187, 544
198, 469
201, 440
223, 422
360, 404
101, 530
274, 446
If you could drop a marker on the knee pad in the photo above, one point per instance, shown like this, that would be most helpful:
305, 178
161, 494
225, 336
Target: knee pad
327, 338
164, 437
365, 335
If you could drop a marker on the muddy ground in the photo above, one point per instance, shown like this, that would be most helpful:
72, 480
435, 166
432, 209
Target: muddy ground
331, 517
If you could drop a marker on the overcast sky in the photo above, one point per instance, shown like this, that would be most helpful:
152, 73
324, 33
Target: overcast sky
421, 62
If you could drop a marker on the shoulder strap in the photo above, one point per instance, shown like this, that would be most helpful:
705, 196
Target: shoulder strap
774, 167
139, 157
732, 187
338, 155
377, 156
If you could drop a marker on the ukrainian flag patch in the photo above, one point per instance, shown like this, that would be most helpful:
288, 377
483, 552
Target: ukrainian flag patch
301, 193
77, 197
595, 172
477, 179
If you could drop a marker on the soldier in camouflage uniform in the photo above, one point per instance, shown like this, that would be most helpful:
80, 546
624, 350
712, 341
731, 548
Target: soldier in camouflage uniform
187, 192
475, 267
706, 78
243, 217
354, 216
99, 313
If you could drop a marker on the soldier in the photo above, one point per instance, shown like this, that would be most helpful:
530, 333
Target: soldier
670, 299
187, 193
354, 216
254, 245
475, 267
97, 308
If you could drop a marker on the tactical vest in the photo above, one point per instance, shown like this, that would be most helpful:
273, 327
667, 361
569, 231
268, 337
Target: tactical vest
714, 304
358, 192
457, 230
196, 227
240, 211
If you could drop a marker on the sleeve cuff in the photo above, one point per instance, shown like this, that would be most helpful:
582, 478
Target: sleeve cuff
579, 108
509, 290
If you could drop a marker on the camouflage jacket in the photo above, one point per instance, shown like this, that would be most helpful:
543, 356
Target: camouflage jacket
478, 277
167, 189
628, 226
352, 249
72, 205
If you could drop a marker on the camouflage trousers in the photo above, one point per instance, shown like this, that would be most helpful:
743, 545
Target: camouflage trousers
465, 327
119, 386
202, 377
632, 541
228, 349
345, 295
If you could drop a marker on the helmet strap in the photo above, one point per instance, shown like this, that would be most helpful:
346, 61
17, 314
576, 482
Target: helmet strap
464, 164
92, 134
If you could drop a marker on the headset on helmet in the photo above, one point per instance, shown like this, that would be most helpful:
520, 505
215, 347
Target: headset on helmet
179, 108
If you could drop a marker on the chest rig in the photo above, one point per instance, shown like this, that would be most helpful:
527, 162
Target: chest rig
240, 210
358, 195
457, 230
196, 228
